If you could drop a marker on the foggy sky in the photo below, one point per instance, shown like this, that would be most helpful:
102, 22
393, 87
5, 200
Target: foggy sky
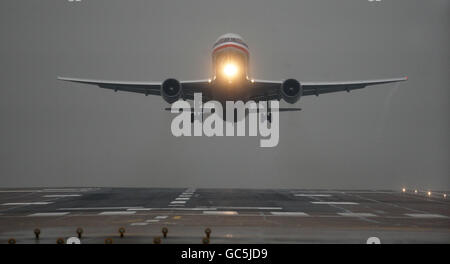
61, 134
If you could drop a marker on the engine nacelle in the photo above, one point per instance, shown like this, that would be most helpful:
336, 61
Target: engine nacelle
171, 90
291, 91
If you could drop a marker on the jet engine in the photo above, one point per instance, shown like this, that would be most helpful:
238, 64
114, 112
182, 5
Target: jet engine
171, 90
291, 91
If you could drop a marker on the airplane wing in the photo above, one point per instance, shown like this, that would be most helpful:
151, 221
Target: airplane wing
146, 88
270, 90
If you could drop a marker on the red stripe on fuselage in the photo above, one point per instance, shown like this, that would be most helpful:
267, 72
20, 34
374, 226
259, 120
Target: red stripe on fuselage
231, 46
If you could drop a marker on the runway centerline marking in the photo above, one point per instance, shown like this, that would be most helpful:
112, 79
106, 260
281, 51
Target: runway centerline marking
178, 202
49, 214
161, 217
118, 213
336, 203
182, 199
152, 221
220, 212
289, 214
426, 215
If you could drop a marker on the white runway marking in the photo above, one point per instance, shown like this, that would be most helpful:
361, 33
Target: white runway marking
49, 214
335, 203
61, 195
19, 191
118, 213
139, 224
152, 221
178, 202
31, 203
172, 208
161, 217
357, 214
246, 208
289, 214
220, 212
69, 190
427, 215
182, 199
97, 208
312, 195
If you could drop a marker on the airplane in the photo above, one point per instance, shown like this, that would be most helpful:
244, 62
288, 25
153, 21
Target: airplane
231, 82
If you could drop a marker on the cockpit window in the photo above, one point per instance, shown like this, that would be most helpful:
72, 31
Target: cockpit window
231, 40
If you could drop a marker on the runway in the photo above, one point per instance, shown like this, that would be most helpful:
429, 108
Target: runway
233, 215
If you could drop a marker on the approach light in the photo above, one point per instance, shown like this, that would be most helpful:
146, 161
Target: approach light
415, 191
230, 70
445, 195
404, 190
429, 193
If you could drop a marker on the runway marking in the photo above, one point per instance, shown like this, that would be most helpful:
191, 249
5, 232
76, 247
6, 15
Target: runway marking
49, 214
31, 203
426, 215
181, 200
289, 214
97, 208
173, 208
178, 202
336, 203
61, 195
220, 212
139, 224
69, 190
47, 190
152, 221
312, 195
161, 217
246, 208
19, 191
357, 214
118, 213
177, 217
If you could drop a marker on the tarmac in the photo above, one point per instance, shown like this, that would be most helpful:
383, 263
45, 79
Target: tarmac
234, 216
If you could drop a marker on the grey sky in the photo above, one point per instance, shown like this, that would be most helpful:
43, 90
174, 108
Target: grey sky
60, 134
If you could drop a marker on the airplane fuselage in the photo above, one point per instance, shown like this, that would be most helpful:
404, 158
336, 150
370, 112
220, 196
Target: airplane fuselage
230, 60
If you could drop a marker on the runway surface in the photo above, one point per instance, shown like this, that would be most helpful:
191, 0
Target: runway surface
233, 215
